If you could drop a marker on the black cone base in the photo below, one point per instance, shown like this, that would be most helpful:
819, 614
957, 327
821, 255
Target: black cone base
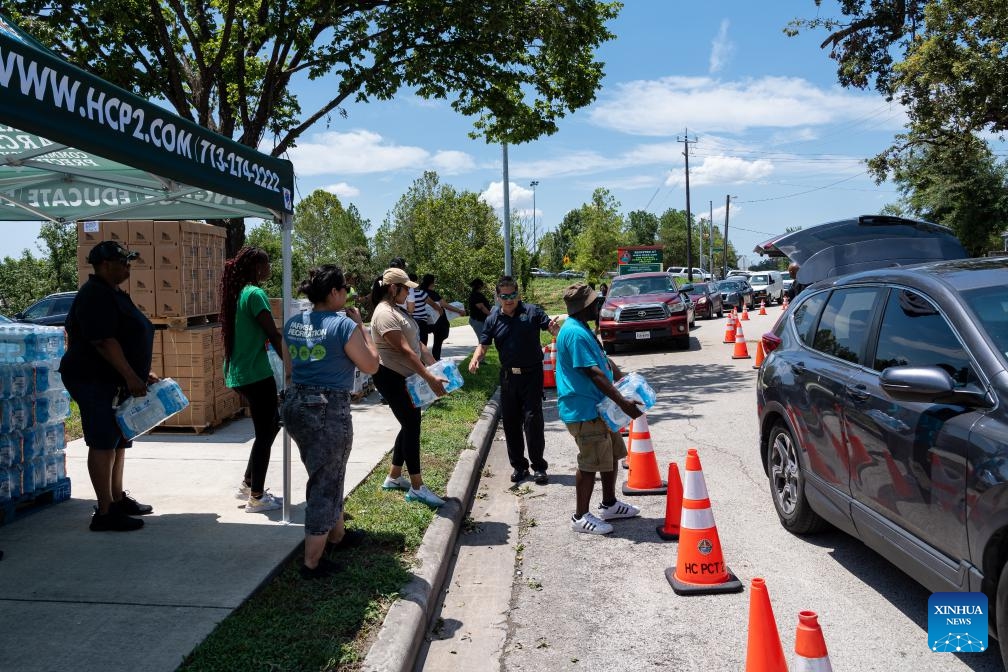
732, 585
665, 535
663, 490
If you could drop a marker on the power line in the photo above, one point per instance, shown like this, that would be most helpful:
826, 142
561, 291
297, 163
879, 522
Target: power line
802, 193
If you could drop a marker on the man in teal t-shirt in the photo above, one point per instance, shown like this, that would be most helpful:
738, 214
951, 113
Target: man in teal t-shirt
584, 377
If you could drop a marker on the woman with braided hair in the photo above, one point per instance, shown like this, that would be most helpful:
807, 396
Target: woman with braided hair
247, 327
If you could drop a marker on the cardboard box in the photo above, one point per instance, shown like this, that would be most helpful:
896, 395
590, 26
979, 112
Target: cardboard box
143, 260
188, 366
196, 414
169, 303
141, 281
168, 278
197, 389
166, 256
89, 232
166, 232
82, 254
145, 302
198, 340
141, 232
117, 231
158, 342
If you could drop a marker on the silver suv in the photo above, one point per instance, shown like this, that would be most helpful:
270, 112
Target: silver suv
767, 286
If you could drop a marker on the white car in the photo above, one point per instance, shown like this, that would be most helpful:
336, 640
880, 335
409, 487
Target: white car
699, 275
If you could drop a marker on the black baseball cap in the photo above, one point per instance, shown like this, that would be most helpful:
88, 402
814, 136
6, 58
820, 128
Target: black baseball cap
110, 250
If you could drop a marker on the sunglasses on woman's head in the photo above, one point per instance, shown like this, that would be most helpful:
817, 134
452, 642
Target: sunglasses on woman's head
508, 297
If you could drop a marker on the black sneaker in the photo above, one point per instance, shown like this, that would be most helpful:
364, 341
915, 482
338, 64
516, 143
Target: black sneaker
541, 478
131, 507
519, 475
114, 521
351, 539
325, 568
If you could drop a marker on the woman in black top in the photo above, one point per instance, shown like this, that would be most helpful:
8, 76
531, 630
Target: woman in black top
478, 305
441, 327
108, 357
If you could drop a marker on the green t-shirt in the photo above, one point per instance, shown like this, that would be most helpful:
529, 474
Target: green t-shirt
248, 363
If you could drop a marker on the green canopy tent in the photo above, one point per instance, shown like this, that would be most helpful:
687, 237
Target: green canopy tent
75, 147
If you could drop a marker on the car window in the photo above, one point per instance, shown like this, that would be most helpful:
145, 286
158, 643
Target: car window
806, 315
843, 327
40, 309
914, 333
62, 305
990, 305
759, 279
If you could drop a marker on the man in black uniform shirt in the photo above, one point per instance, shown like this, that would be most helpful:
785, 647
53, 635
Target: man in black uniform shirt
514, 328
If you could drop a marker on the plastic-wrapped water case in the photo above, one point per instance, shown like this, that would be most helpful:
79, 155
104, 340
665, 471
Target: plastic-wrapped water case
137, 415
420, 392
633, 387
277, 364
53, 406
10, 483
10, 450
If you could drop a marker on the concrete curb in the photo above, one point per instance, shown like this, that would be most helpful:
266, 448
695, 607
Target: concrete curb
402, 632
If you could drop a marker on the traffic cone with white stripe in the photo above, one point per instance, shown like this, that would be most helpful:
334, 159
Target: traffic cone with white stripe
809, 646
700, 568
764, 652
643, 477
741, 350
762, 307
549, 364
673, 505
745, 313
729, 334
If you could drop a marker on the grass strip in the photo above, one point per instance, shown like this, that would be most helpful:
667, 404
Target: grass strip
296, 625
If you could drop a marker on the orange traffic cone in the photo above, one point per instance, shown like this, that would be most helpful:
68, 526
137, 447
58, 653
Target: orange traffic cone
549, 364
741, 351
762, 307
809, 646
729, 333
764, 652
673, 505
745, 313
643, 477
700, 568
760, 354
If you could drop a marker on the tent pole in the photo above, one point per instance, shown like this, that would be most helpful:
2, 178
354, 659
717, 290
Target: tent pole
287, 224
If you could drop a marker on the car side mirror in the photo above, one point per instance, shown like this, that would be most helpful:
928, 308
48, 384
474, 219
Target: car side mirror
18, 316
930, 384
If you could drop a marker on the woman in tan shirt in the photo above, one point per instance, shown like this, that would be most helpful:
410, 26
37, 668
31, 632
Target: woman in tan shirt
401, 354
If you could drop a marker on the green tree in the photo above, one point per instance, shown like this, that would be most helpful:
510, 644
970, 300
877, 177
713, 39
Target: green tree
22, 281
60, 239
268, 237
960, 185
515, 66
454, 235
565, 236
641, 228
601, 234
324, 230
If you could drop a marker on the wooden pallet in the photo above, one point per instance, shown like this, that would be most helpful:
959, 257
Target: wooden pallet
182, 323
22, 506
200, 429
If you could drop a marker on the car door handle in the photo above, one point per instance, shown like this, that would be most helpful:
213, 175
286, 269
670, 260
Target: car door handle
857, 392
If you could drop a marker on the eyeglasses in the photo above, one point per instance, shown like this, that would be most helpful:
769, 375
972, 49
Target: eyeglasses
508, 297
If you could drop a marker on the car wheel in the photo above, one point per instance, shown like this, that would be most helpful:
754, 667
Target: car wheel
1001, 612
787, 484
610, 348
720, 311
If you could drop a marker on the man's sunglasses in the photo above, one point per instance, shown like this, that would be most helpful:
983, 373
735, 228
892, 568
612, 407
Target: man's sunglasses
508, 297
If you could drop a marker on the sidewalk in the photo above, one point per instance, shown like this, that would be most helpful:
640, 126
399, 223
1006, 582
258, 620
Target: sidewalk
141, 601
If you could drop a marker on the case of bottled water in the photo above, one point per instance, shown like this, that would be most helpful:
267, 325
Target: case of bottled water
633, 387
421, 393
33, 408
137, 415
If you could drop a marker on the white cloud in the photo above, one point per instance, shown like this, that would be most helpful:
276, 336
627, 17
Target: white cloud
493, 195
342, 189
723, 170
721, 48
666, 106
361, 152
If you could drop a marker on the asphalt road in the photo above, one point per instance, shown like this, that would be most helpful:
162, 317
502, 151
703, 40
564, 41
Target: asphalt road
582, 602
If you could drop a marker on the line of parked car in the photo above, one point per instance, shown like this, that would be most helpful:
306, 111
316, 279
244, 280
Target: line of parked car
50, 311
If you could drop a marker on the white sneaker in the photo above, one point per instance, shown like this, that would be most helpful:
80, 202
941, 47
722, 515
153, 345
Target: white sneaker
243, 491
401, 483
424, 495
265, 503
589, 524
617, 510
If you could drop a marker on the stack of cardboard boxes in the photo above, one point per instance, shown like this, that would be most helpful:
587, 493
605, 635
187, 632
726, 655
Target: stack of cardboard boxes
176, 276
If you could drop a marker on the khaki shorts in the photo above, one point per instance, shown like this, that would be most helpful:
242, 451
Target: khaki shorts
598, 446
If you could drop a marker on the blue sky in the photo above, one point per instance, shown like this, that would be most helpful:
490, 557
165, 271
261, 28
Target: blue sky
773, 130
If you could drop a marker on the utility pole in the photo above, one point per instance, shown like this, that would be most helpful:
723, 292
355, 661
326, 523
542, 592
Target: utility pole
727, 205
689, 213
533, 184
710, 248
507, 216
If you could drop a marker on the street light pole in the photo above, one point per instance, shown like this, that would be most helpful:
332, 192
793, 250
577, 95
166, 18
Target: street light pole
534, 184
